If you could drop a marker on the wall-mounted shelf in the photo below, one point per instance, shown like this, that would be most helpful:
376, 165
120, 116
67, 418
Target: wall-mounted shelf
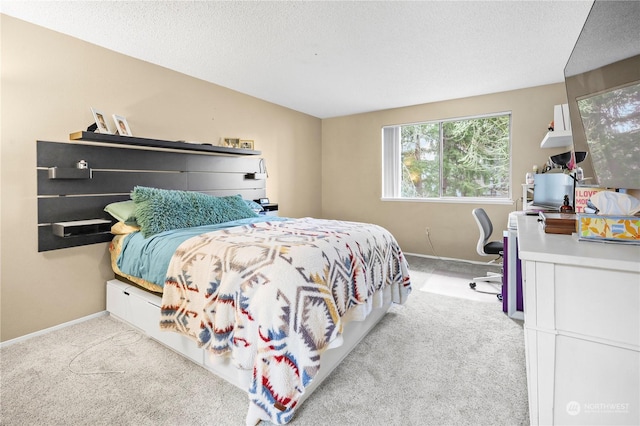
77, 228
69, 173
157, 143
557, 139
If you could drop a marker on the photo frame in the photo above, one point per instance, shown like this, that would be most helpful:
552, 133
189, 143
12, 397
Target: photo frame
231, 142
246, 144
101, 121
122, 127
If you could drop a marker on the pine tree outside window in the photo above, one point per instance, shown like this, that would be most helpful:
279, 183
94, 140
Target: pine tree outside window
465, 159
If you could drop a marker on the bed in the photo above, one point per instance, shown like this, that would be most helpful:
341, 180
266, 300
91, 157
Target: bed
270, 304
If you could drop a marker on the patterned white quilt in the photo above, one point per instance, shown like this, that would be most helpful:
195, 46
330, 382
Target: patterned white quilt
272, 296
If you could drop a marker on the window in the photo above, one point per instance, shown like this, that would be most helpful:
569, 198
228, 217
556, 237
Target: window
449, 159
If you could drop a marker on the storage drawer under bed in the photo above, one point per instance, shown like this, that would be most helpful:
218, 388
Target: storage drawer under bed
141, 309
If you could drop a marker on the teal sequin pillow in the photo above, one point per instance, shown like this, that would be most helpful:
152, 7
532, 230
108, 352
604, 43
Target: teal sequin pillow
159, 210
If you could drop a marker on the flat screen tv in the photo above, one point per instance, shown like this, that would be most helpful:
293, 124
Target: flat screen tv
602, 78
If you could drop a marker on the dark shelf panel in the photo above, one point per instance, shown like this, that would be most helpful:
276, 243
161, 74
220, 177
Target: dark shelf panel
133, 141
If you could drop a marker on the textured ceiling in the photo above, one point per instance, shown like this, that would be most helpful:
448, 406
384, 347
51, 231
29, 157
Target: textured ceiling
334, 58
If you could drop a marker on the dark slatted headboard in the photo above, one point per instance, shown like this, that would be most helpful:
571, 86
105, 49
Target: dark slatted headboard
115, 170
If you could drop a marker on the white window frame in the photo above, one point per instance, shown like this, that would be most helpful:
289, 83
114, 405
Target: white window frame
391, 153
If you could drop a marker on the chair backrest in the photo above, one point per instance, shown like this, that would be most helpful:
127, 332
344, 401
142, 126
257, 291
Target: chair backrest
486, 229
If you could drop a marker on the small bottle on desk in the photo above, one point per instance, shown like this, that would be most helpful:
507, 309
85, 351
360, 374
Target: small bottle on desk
566, 208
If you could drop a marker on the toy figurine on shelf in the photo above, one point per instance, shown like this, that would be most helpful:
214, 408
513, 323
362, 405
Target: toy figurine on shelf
566, 208
551, 126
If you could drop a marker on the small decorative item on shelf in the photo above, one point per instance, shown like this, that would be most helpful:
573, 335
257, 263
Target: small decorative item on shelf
122, 127
246, 144
101, 125
231, 142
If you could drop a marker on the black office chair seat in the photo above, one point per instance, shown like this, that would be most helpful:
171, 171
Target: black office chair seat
494, 247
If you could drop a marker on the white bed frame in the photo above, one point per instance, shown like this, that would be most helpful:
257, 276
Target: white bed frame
141, 309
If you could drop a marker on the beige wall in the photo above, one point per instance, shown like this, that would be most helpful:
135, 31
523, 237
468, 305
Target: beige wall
352, 169
49, 81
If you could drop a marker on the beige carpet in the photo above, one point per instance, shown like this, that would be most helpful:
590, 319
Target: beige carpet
437, 360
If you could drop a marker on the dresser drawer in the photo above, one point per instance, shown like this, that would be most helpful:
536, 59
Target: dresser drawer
599, 303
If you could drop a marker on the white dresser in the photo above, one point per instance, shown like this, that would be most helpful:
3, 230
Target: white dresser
581, 327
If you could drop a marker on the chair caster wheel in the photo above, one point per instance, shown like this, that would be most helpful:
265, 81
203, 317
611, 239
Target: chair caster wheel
472, 285
499, 296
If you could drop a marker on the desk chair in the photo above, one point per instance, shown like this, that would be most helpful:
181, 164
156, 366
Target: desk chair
487, 248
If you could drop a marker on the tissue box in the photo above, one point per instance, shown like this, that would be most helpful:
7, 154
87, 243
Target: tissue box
610, 228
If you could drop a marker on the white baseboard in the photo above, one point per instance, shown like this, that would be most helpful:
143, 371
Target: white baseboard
50, 329
450, 258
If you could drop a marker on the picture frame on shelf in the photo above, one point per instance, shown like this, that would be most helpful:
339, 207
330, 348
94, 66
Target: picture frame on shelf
246, 144
122, 127
231, 142
101, 122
